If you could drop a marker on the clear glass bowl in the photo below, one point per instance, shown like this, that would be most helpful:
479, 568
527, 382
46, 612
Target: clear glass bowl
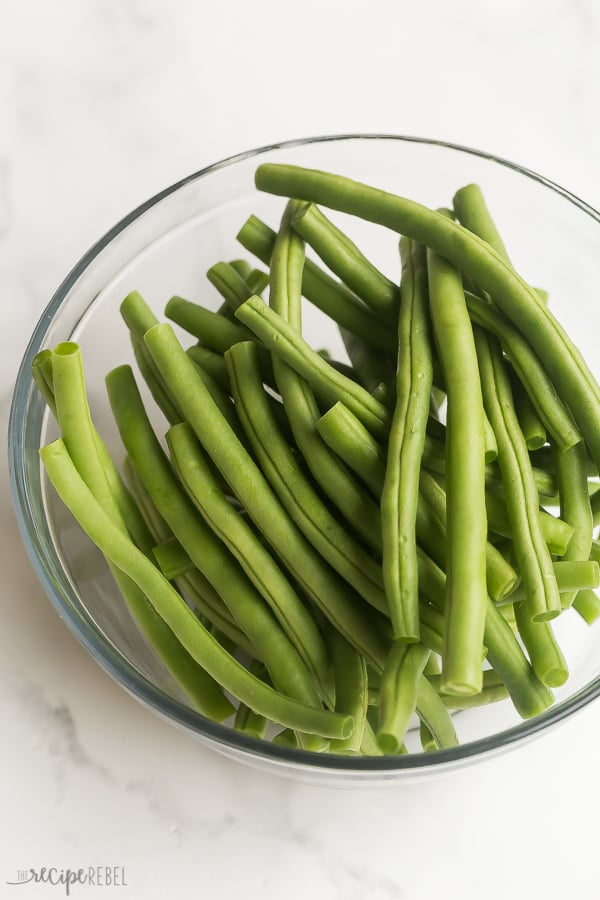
165, 247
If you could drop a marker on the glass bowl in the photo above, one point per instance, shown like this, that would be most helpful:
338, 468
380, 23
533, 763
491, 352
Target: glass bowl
165, 247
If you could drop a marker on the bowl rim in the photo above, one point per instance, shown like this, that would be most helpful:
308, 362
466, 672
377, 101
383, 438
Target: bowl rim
117, 665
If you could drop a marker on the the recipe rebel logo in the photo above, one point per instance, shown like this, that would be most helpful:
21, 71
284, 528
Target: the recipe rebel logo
92, 876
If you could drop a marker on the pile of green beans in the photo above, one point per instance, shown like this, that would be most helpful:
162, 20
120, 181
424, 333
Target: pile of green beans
333, 555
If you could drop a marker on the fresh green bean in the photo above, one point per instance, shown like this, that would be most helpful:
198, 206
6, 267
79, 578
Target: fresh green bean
351, 690
138, 317
471, 211
490, 445
248, 483
587, 604
492, 691
348, 437
214, 561
557, 533
466, 590
535, 564
281, 468
129, 510
372, 367
171, 558
531, 424
400, 492
199, 643
546, 657
575, 507
501, 578
324, 292
212, 329
570, 575
346, 261
398, 693
533, 376
39, 368
210, 362
205, 601
473, 256
246, 720
283, 340
432, 712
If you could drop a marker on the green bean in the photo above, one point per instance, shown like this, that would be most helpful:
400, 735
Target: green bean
529, 421
39, 368
214, 561
316, 578
432, 712
493, 690
171, 558
324, 292
79, 444
575, 508
595, 506
128, 508
471, 211
205, 601
557, 533
214, 330
351, 690
199, 643
490, 445
210, 362
501, 578
570, 575
369, 746
157, 526
286, 738
535, 563
138, 317
281, 468
431, 623
475, 258
400, 491
246, 720
372, 367
587, 604
428, 742
398, 693
347, 436
283, 340
466, 590
546, 657
533, 376
301, 406
244, 545
346, 261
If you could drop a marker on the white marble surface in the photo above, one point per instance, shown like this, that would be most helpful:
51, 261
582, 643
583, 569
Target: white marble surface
101, 104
